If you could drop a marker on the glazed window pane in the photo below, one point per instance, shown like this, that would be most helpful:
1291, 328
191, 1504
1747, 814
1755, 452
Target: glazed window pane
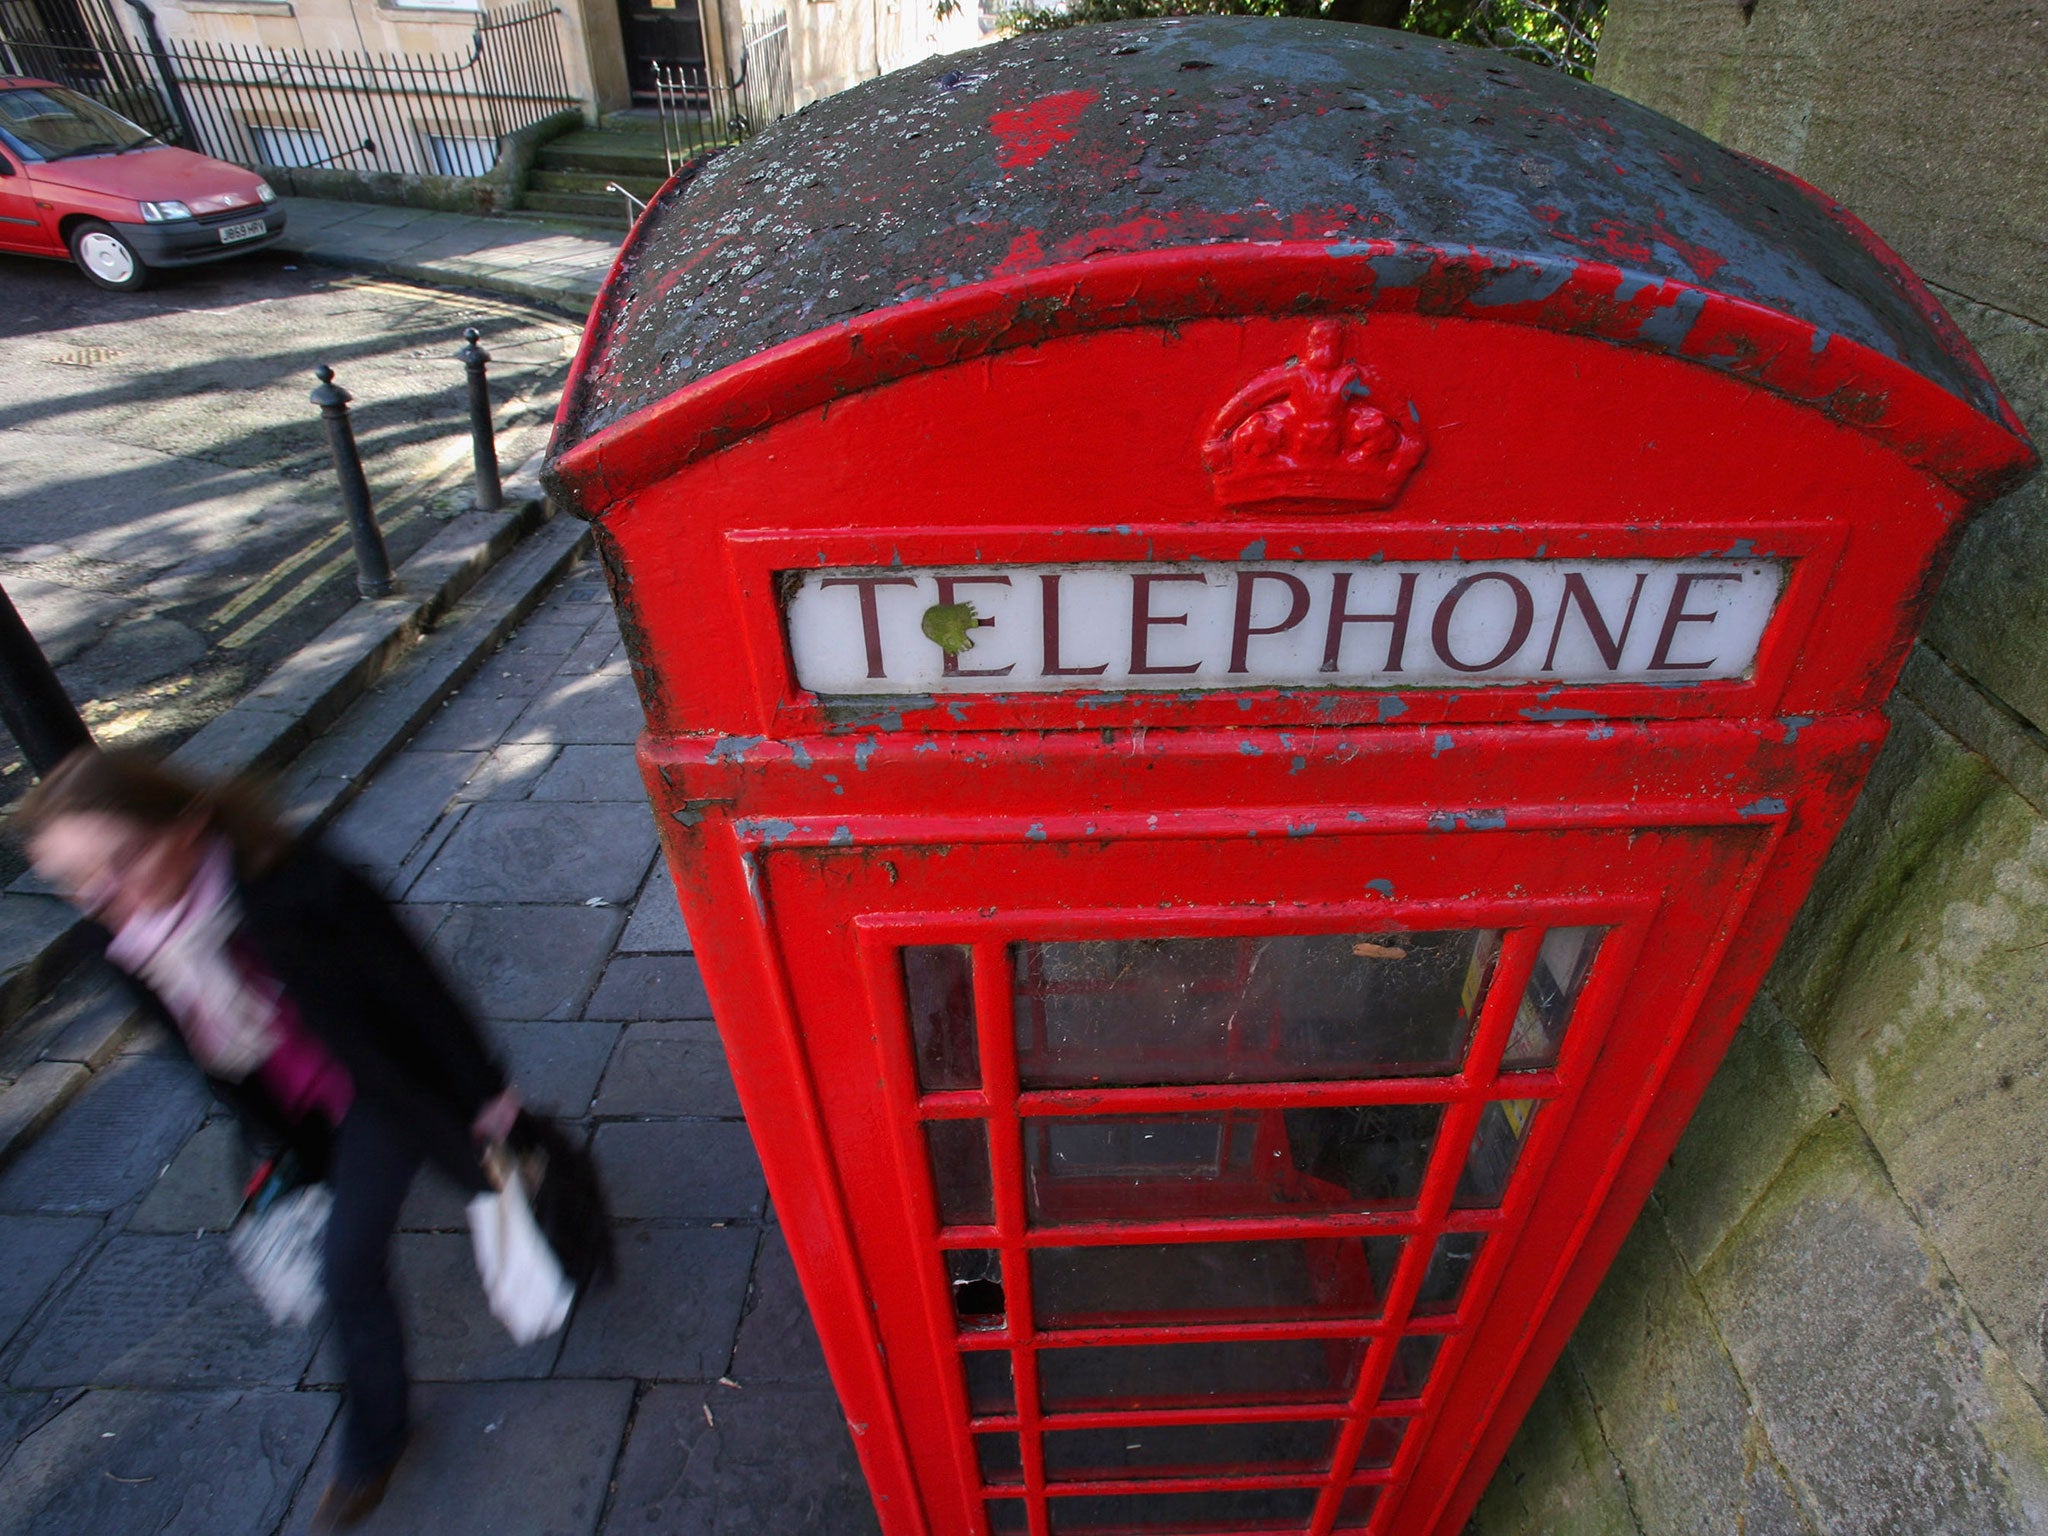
1256, 1009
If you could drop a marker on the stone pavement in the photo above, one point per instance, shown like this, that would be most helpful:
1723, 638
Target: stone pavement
143, 1389
561, 267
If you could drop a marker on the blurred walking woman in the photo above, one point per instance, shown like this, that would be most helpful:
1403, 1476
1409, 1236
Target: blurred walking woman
294, 988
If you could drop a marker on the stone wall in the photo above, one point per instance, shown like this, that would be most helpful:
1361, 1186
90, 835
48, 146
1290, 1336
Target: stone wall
1833, 1317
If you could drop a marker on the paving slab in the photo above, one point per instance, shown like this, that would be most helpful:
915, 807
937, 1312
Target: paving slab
22, 1413
525, 851
171, 1464
471, 722
708, 1461
527, 962
554, 630
515, 1458
450, 1334
160, 1312
679, 1170
406, 800
656, 926
112, 1142
202, 1189
37, 1249
650, 987
595, 649
509, 772
777, 1341
671, 1313
556, 1065
597, 707
668, 1069
435, 1203
593, 773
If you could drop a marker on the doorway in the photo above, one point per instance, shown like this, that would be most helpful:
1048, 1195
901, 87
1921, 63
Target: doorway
666, 33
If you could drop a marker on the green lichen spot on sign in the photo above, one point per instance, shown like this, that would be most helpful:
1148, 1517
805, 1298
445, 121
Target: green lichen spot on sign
946, 625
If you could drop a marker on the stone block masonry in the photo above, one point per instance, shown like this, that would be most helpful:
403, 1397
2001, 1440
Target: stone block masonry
1833, 1317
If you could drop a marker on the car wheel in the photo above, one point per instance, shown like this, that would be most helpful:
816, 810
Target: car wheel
106, 258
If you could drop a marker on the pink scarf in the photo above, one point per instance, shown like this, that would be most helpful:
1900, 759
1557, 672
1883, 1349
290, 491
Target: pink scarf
228, 1019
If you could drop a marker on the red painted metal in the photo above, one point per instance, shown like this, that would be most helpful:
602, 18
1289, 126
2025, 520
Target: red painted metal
988, 1329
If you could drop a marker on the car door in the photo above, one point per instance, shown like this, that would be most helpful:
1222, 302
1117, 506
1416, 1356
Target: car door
22, 227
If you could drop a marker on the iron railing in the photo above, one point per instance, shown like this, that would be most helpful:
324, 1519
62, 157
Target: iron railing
700, 112
290, 108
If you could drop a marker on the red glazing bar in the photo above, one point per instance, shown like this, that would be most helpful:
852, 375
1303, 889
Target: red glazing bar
1244, 1413
889, 1005
1100, 1234
996, 1032
1447, 1164
1595, 1005
1295, 1095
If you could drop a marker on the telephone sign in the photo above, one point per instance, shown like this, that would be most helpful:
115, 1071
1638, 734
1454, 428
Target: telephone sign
1062, 628
1251, 633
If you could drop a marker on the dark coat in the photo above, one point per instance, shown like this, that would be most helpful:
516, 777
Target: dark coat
365, 989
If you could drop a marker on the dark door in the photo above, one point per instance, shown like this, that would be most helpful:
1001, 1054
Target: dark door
664, 32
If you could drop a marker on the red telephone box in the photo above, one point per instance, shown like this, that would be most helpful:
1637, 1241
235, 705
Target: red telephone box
1251, 632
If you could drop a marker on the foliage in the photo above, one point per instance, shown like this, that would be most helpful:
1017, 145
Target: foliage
1562, 34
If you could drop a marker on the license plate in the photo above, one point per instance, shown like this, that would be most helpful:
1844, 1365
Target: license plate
248, 229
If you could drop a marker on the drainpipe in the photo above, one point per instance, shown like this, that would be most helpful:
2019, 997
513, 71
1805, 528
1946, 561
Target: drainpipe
165, 73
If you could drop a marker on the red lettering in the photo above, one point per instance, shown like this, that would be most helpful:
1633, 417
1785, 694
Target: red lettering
1049, 601
870, 621
1440, 627
1242, 631
1681, 588
1576, 591
1142, 620
1397, 638
951, 666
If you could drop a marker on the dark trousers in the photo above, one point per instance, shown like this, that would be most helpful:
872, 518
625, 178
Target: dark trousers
372, 1168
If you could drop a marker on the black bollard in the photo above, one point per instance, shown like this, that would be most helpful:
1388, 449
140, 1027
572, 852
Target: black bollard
38, 712
483, 438
373, 565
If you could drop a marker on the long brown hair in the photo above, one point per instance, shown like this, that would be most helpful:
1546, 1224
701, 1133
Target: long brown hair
137, 787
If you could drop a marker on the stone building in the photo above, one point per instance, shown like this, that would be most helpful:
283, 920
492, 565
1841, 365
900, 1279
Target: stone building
1833, 1316
598, 55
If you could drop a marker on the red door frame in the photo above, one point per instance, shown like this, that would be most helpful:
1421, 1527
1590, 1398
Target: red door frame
736, 871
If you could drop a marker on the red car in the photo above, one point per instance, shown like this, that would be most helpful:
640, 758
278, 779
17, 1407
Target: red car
78, 180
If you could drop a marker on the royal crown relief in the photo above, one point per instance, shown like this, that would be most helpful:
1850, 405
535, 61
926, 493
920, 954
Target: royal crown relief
1308, 436
1313, 435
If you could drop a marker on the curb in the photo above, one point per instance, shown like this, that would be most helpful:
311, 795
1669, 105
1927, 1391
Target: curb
363, 687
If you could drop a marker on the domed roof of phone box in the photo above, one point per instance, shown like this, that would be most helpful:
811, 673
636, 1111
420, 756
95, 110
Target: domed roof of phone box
1434, 177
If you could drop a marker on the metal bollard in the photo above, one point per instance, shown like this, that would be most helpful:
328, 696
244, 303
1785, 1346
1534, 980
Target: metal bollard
483, 437
38, 712
373, 565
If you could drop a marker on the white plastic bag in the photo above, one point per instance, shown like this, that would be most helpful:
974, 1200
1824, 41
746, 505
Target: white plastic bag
277, 1250
523, 1280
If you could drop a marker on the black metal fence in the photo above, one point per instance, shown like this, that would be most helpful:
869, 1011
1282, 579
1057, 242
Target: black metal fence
701, 112
291, 108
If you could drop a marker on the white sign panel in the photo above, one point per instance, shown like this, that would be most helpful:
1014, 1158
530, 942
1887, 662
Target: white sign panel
1042, 629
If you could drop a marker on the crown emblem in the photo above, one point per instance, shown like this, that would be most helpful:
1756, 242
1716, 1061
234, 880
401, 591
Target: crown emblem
1307, 437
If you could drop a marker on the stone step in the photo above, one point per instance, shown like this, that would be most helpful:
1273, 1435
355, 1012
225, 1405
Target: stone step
594, 151
594, 183
597, 207
608, 228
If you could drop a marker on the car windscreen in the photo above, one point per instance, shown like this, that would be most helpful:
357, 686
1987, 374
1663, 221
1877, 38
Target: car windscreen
49, 121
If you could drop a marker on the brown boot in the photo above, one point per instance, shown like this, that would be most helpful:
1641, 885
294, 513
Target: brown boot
348, 1501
